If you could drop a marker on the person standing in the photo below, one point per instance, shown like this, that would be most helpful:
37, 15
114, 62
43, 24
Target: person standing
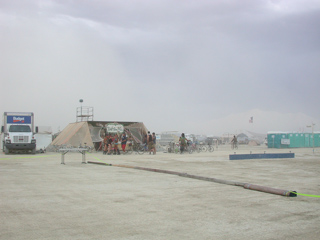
183, 142
105, 144
123, 142
150, 142
154, 140
145, 142
116, 143
109, 144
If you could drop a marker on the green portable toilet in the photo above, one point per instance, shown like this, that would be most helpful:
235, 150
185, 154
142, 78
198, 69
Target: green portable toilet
307, 140
316, 139
277, 140
293, 140
311, 142
284, 140
273, 140
300, 140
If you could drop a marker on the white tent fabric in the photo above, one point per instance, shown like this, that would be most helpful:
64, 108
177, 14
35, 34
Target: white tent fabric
43, 141
43, 137
95, 134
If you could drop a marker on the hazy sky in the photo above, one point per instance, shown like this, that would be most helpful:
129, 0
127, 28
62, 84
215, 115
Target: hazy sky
196, 66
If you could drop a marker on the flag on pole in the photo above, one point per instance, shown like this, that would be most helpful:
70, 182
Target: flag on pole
251, 120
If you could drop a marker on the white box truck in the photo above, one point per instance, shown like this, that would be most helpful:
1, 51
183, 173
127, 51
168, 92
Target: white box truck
17, 132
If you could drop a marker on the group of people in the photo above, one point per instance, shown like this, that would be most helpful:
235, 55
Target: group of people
111, 143
150, 141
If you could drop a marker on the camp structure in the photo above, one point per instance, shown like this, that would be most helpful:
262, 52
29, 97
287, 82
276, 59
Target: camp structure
91, 133
253, 143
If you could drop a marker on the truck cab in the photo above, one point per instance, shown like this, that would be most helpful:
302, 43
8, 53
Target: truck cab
17, 133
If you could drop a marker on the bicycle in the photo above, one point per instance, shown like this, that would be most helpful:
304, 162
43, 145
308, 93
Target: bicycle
199, 148
234, 145
188, 149
203, 148
173, 147
136, 147
193, 147
210, 148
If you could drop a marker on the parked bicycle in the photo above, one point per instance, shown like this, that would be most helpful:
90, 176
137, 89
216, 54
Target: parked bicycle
203, 148
173, 147
198, 148
136, 147
189, 149
210, 148
192, 146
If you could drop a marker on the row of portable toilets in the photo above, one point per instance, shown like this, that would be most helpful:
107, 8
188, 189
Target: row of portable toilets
293, 140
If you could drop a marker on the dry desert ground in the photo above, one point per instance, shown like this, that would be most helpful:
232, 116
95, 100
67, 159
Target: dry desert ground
40, 198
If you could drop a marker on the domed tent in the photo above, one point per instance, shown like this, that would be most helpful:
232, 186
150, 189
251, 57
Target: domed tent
253, 143
242, 138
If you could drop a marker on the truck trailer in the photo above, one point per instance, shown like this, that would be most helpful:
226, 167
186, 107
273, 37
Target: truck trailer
17, 132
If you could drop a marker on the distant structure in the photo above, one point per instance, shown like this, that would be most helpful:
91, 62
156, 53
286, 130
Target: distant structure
84, 114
